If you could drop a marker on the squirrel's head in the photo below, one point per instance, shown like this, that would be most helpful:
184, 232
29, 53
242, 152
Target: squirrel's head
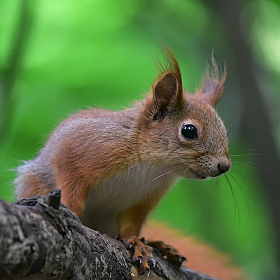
181, 131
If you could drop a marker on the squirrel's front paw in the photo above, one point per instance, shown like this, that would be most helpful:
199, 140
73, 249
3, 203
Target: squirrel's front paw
142, 254
172, 255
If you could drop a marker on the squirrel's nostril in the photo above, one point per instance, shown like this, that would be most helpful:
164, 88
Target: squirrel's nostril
223, 167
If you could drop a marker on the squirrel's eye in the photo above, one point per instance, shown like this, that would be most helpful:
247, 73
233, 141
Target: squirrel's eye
189, 131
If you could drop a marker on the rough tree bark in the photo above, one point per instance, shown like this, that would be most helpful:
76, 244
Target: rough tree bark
40, 238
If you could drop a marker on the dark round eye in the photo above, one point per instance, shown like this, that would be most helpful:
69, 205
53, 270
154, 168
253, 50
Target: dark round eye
189, 131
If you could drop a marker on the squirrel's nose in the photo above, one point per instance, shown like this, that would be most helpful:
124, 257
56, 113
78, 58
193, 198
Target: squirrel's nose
224, 166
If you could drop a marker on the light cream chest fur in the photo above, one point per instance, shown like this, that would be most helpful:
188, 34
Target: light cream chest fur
110, 198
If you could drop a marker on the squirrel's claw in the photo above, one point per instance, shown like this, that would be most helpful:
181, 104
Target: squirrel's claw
176, 259
152, 261
142, 254
172, 255
143, 270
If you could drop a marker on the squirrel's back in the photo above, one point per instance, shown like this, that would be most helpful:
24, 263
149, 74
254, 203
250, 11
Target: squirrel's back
92, 129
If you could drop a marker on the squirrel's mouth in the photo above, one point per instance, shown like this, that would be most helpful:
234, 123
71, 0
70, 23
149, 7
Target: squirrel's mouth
200, 176
192, 173
196, 174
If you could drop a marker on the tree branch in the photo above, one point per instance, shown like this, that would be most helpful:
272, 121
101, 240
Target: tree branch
39, 237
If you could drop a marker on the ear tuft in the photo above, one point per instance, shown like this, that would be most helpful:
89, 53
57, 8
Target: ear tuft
213, 84
167, 90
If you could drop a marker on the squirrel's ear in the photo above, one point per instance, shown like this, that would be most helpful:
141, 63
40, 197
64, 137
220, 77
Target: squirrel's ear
213, 85
167, 92
168, 88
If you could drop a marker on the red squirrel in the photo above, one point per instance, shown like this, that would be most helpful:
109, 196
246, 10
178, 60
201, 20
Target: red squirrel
113, 167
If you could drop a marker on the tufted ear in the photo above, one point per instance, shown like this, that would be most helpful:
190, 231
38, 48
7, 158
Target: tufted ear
213, 85
166, 92
168, 89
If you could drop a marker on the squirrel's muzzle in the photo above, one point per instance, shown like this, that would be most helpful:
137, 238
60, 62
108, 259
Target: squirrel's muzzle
224, 165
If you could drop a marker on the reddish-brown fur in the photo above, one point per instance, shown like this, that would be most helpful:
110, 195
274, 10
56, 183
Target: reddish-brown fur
114, 167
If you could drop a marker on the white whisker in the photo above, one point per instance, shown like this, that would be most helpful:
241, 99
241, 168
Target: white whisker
160, 176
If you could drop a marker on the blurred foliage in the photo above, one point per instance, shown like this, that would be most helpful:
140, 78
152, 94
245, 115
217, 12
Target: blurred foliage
103, 53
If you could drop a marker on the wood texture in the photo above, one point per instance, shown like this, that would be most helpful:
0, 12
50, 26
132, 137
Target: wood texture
40, 242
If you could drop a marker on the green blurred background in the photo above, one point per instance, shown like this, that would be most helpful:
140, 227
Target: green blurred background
60, 56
